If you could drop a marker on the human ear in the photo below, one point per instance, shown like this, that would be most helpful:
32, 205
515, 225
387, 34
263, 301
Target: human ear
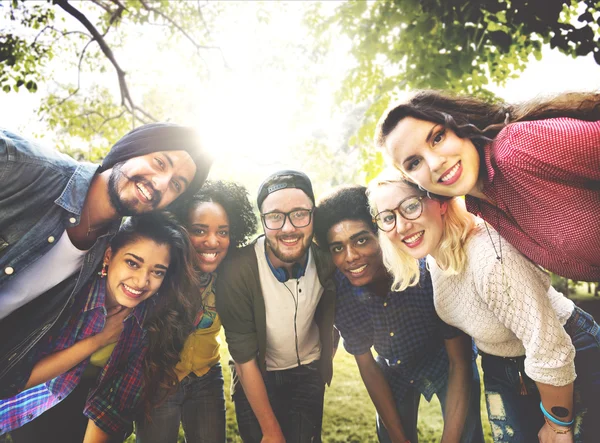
443, 207
107, 254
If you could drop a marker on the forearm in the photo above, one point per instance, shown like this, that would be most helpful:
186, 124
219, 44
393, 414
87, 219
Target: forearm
256, 393
93, 434
460, 374
457, 401
381, 395
557, 400
60, 362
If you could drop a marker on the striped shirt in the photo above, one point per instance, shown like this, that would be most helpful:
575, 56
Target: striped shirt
112, 402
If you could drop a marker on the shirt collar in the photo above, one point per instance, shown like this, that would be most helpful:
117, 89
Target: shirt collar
363, 293
73, 196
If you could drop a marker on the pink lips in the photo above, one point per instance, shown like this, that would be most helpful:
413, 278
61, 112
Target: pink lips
415, 243
131, 294
454, 178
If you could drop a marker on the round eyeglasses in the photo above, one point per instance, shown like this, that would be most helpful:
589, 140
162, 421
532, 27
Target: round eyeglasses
299, 218
410, 209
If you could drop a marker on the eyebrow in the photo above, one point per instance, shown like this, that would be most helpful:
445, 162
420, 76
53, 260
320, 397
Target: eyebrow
179, 177
352, 237
430, 134
203, 225
140, 259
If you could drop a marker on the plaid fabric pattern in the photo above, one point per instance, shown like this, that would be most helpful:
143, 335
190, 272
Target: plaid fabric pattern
111, 404
404, 329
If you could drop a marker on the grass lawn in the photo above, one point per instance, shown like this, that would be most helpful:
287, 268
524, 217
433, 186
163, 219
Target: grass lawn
349, 413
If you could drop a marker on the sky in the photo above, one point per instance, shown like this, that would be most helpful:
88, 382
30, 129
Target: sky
254, 112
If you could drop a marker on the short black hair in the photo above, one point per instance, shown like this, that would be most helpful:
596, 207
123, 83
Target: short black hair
343, 203
233, 197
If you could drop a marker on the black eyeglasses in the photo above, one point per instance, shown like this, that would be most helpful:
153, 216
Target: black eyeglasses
299, 218
410, 208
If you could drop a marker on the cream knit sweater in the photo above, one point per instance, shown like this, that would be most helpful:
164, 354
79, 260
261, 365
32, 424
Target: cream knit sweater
509, 308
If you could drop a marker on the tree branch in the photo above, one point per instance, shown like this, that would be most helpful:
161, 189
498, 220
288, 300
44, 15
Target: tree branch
126, 99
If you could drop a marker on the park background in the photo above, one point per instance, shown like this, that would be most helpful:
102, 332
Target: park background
273, 85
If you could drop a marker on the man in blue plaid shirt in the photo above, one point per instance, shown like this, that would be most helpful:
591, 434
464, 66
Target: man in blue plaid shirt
418, 354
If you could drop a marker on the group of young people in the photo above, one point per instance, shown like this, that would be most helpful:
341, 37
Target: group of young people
107, 323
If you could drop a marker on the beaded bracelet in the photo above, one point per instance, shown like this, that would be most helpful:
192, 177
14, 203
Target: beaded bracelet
557, 431
555, 420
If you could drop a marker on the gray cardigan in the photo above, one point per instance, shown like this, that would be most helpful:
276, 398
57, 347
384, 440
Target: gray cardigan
241, 306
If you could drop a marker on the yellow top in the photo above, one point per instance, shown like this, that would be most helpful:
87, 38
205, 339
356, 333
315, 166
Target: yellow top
101, 356
201, 349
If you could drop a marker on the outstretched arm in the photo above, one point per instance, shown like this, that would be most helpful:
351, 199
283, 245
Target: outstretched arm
381, 395
93, 434
256, 393
460, 373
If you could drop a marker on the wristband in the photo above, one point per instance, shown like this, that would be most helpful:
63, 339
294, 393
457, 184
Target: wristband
555, 420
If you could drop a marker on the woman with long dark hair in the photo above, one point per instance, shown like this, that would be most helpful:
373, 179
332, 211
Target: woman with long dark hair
531, 170
87, 373
218, 217
540, 353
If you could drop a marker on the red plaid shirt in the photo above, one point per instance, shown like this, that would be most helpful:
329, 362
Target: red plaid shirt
544, 177
111, 404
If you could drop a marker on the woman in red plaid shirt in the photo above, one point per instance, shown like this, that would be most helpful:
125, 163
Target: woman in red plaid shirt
531, 170
87, 374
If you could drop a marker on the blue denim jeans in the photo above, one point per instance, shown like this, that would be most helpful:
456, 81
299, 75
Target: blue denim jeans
408, 409
296, 396
517, 418
198, 403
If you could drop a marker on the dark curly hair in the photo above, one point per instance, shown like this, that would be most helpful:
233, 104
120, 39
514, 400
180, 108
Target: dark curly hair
343, 203
169, 323
233, 197
480, 121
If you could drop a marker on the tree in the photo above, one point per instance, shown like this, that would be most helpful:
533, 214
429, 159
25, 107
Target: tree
454, 45
92, 32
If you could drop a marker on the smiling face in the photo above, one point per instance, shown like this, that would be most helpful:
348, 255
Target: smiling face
289, 244
418, 237
355, 252
135, 272
149, 182
208, 226
434, 157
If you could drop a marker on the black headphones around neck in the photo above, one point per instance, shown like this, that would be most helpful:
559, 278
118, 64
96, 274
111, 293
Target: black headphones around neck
282, 275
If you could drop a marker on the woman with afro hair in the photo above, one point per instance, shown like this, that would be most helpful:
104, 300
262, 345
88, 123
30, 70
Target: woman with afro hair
218, 217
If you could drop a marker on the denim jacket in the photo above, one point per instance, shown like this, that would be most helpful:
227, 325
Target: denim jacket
42, 193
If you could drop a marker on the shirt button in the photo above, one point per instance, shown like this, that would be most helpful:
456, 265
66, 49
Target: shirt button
397, 362
391, 334
385, 304
72, 220
51, 239
412, 382
9, 270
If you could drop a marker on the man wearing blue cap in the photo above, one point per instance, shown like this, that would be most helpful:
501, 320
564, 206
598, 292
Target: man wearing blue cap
57, 216
276, 299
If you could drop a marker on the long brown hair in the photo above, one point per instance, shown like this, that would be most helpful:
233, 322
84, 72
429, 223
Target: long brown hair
169, 324
480, 121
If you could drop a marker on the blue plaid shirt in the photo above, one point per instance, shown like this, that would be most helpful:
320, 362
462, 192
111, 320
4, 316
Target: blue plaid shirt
404, 329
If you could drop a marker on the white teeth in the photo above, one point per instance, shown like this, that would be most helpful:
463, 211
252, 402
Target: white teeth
133, 291
209, 254
452, 172
413, 238
357, 270
145, 192
289, 241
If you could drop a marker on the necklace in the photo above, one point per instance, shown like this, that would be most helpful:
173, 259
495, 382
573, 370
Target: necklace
90, 229
498, 251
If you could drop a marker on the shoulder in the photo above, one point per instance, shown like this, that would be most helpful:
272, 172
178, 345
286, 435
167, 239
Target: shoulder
323, 262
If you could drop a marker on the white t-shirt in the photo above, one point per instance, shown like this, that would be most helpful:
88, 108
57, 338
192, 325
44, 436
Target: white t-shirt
59, 263
280, 306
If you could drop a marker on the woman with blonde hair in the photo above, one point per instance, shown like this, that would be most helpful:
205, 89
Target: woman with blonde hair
540, 353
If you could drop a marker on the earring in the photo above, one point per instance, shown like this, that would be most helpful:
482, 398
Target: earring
104, 271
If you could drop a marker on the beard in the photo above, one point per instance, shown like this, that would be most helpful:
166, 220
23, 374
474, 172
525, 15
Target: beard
121, 205
289, 258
